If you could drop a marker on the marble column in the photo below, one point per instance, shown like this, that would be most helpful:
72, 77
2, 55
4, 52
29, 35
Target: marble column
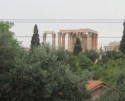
63, 41
53, 40
80, 36
84, 42
89, 41
59, 39
69, 38
96, 41
93, 41
44, 38
71, 42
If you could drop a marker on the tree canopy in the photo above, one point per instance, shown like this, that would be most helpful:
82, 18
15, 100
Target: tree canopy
40, 75
8, 46
77, 46
35, 42
122, 43
47, 74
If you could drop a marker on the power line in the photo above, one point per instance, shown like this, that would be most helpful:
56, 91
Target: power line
50, 36
26, 36
67, 37
57, 45
64, 20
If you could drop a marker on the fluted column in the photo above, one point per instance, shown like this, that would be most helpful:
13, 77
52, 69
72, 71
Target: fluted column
89, 41
93, 41
96, 41
53, 40
44, 38
84, 42
59, 39
80, 36
71, 42
63, 41
69, 36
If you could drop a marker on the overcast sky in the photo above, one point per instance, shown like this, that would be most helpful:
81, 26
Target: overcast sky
64, 9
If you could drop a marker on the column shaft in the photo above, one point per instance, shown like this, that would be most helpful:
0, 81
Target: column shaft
53, 40
63, 41
93, 41
96, 41
89, 41
81, 39
59, 39
73, 40
71, 43
84, 42
69, 36
44, 38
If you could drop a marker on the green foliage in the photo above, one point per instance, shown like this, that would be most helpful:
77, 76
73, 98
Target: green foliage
47, 74
8, 47
96, 70
41, 75
111, 71
35, 38
111, 55
111, 68
122, 43
79, 62
92, 54
63, 55
62, 83
77, 47
109, 95
5, 26
113, 74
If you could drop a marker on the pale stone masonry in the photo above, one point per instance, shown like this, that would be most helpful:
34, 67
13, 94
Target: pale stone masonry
88, 38
53, 37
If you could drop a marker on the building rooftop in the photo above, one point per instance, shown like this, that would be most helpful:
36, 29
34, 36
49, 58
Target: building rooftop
91, 85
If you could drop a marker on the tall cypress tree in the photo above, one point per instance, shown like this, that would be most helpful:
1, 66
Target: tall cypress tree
77, 46
122, 43
35, 42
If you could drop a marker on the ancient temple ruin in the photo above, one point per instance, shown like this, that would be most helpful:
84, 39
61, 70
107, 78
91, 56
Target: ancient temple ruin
88, 38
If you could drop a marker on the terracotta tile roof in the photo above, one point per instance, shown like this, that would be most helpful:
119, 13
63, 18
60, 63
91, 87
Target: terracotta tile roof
93, 84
